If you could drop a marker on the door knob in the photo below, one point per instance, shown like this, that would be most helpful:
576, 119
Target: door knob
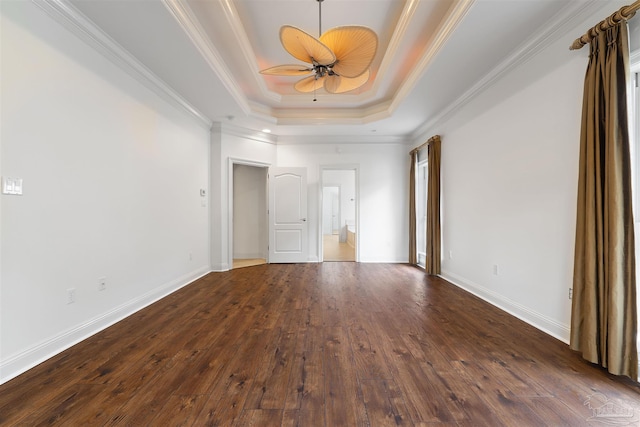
304, 220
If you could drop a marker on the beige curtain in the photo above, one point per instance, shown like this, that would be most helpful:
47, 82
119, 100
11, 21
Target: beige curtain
433, 208
413, 257
603, 317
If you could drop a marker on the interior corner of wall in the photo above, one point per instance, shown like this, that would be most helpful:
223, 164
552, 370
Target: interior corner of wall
538, 320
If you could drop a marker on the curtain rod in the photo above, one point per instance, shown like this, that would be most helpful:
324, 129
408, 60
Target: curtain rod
625, 13
433, 138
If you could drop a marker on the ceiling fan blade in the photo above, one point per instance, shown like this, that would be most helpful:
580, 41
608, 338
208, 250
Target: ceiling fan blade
305, 47
309, 84
341, 84
354, 47
287, 70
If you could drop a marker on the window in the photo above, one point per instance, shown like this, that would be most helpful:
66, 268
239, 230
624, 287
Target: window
421, 212
634, 135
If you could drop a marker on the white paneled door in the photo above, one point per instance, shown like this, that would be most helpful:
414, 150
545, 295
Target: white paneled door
288, 215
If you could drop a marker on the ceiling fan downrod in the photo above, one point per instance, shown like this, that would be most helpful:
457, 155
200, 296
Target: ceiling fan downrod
319, 17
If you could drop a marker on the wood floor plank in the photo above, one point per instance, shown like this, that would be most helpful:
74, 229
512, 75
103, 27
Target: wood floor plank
230, 388
368, 357
179, 411
306, 391
554, 412
385, 406
64, 406
269, 388
457, 389
424, 403
511, 409
343, 397
316, 345
149, 398
260, 418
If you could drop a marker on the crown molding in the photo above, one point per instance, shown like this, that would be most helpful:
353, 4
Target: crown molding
229, 129
349, 116
568, 17
406, 17
454, 16
73, 20
233, 18
198, 36
340, 139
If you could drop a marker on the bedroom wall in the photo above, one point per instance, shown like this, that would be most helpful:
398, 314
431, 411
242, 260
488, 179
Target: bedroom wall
112, 176
509, 182
383, 194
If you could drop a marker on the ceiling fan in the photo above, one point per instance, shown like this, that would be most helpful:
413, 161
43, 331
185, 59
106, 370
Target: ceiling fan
339, 60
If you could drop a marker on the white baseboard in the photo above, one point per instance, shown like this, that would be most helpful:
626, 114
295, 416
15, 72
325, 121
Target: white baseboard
27, 359
218, 268
535, 319
251, 255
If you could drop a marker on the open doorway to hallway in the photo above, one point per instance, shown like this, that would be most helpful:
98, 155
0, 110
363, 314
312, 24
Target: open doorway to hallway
250, 227
339, 214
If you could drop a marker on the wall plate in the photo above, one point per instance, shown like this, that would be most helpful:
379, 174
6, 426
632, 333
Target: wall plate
12, 186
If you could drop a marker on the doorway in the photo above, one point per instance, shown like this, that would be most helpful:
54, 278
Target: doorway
250, 227
339, 230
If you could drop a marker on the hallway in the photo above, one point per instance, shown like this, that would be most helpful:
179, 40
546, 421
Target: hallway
333, 250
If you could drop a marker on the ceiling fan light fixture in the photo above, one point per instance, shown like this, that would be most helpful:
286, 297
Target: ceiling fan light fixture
340, 59
310, 84
339, 84
354, 47
305, 47
287, 70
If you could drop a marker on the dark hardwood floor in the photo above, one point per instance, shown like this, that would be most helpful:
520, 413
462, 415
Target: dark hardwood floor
334, 344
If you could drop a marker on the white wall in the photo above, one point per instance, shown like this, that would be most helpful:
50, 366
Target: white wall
509, 176
383, 194
634, 35
111, 189
250, 231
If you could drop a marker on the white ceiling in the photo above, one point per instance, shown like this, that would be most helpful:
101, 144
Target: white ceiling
432, 55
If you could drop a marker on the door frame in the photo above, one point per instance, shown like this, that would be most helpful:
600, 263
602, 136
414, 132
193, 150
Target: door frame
236, 161
339, 167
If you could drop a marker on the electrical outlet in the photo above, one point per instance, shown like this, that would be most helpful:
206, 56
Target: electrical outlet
102, 284
570, 293
71, 295
450, 254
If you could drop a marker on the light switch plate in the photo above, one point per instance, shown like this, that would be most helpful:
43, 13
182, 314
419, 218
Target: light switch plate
12, 186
